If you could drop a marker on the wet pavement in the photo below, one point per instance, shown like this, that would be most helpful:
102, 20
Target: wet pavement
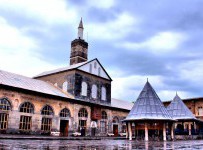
98, 145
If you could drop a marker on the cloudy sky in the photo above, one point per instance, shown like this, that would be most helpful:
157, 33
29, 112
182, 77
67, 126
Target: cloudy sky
156, 39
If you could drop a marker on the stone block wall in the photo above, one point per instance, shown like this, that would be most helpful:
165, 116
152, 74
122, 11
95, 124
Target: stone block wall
75, 79
16, 98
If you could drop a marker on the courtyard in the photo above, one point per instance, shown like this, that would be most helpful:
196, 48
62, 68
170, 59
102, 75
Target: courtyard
98, 145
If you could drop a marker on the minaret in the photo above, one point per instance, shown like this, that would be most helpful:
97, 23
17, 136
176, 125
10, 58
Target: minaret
80, 30
79, 47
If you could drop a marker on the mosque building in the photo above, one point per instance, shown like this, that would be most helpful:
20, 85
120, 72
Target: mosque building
69, 100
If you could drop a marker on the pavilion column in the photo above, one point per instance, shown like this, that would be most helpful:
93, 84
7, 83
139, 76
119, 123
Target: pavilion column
164, 131
127, 130
189, 128
183, 126
172, 131
146, 132
195, 126
130, 131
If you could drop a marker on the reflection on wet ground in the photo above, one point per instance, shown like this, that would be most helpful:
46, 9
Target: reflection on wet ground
98, 145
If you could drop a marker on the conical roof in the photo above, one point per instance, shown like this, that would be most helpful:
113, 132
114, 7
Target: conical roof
148, 106
80, 24
179, 111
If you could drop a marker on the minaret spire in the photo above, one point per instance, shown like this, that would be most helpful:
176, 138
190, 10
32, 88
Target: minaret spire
79, 47
80, 30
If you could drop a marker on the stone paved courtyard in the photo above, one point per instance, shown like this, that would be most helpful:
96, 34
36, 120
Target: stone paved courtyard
97, 145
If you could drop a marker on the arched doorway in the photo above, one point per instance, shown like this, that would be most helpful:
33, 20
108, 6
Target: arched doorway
64, 122
115, 126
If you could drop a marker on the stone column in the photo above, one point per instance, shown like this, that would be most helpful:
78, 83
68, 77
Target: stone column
127, 130
130, 131
164, 131
146, 132
172, 131
195, 127
189, 128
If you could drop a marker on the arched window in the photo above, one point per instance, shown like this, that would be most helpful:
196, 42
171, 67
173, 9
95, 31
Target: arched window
95, 65
47, 110
103, 122
82, 113
115, 120
94, 91
46, 122
27, 107
65, 86
65, 113
103, 92
26, 121
84, 89
104, 115
90, 68
99, 71
5, 104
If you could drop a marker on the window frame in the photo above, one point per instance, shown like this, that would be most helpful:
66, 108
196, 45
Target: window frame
103, 94
46, 124
65, 113
26, 107
5, 103
104, 115
82, 113
84, 88
90, 69
25, 123
50, 111
103, 126
94, 91
3, 121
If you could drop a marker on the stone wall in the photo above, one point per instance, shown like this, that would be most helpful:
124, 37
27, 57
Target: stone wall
75, 79
90, 80
16, 98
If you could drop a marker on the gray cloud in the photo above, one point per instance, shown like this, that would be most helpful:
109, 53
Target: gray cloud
182, 16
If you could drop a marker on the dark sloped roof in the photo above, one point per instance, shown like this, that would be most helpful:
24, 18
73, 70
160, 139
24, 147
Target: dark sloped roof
148, 106
179, 111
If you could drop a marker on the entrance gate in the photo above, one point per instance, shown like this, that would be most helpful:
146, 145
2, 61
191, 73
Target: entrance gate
64, 127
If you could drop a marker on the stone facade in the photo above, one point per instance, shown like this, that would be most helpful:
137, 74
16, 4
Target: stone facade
17, 97
86, 104
74, 78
